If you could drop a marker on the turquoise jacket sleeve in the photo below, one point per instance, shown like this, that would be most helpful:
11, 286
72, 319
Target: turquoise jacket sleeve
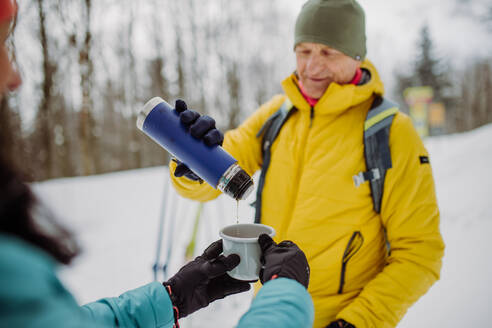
147, 306
280, 303
31, 295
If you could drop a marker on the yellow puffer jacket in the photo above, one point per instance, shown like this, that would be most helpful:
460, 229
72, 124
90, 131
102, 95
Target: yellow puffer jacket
310, 198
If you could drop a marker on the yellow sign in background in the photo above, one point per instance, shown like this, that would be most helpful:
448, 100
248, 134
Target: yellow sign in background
418, 99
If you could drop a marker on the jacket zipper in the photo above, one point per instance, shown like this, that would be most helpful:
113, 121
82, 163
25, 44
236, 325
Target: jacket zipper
353, 246
311, 117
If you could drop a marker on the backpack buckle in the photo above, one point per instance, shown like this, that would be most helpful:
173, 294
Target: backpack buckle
375, 174
358, 179
362, 177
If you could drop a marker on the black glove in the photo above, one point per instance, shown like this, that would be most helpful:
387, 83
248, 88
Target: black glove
204, 280
282, 260
340, 324
200, 127
183, 170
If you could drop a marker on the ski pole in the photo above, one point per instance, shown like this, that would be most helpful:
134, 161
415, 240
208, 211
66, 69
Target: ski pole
174, 203
162, 219
190, 249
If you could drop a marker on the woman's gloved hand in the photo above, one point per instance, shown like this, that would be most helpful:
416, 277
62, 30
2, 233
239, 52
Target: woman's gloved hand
200, 127
282, 260
204, 280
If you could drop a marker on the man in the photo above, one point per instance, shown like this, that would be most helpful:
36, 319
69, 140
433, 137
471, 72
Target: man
367, 267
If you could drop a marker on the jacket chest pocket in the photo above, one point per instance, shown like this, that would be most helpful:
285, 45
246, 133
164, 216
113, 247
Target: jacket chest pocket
353, 246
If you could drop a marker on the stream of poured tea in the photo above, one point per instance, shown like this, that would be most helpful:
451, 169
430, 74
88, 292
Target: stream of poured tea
237, 211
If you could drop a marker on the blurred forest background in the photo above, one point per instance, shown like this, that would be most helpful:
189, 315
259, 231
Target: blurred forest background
89, 66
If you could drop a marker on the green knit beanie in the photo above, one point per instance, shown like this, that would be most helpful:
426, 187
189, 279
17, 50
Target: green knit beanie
339, 24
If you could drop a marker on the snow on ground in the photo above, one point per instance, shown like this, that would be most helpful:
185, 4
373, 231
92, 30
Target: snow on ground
461, 165
116, 216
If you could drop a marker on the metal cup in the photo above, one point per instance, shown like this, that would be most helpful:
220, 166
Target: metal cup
242, 239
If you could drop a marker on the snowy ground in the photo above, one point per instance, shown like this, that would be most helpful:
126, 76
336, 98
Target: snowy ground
116, 219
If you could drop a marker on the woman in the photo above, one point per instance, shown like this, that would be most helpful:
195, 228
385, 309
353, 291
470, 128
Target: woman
32, 245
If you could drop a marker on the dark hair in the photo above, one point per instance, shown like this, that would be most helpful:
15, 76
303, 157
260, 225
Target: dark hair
23, 216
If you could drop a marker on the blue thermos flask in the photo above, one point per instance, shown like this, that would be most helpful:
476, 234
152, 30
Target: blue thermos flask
160, 121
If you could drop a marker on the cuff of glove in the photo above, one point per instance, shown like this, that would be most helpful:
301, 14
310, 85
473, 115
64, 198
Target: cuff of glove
181, 170
174, 301
340, 324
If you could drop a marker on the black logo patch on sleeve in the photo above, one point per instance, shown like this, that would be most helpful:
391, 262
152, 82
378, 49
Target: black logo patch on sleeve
424, 159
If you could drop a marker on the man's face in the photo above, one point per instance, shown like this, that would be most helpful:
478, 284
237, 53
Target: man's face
319, 65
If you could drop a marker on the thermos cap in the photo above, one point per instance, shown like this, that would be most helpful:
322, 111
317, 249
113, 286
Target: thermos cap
147, 108
236, 183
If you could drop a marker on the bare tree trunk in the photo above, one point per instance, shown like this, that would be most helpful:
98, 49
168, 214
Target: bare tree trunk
180, 66
86, 120
475, 106
234, 89
133, 98
44, 127
485, 86
488, 89
11, 143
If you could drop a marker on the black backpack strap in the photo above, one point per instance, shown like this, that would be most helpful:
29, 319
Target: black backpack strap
376, 148
269, 131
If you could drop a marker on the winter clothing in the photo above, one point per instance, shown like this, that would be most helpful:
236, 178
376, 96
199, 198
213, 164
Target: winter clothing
340, 324
282, 303
357, 77
339, 24
182, 170
309, 198
284, 260
32, 296
311, 101
205, 280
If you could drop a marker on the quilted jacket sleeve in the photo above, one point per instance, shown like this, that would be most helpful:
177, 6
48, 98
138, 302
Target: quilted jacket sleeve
146, 306
280, 303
